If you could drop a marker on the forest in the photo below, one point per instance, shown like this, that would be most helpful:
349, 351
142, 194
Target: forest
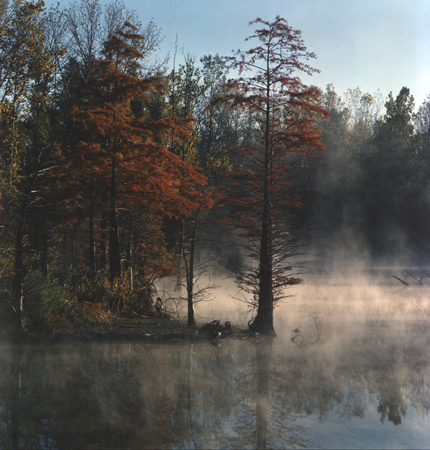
117, 171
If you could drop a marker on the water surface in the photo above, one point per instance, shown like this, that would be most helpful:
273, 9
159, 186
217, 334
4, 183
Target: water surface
355, 376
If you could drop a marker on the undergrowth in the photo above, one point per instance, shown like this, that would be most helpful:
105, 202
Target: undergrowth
78, 301
49, 304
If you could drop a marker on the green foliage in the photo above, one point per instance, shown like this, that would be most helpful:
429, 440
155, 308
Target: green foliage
219, 127
191, 93
389, 193
371, 182
48, 300
184, 91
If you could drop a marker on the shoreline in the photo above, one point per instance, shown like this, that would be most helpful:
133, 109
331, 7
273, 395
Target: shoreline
136, 329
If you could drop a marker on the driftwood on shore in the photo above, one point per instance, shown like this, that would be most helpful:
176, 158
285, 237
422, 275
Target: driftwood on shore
401, 281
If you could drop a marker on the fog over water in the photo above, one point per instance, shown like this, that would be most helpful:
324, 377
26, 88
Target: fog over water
348, 369
338, 295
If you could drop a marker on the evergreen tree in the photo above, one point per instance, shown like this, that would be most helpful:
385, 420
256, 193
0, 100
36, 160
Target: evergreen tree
390, 171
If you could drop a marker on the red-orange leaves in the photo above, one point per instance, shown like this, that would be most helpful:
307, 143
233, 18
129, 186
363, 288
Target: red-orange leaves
123, 150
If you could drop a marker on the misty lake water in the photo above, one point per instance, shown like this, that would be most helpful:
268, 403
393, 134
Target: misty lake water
357, 375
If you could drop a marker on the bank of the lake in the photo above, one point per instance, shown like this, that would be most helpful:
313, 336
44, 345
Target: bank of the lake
135, 328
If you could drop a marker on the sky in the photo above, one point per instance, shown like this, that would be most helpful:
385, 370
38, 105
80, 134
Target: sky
371, 44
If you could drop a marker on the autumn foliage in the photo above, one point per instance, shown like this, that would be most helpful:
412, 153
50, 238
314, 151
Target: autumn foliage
123, 155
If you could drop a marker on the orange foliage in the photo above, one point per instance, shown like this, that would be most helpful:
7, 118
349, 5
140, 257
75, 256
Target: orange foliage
123, 154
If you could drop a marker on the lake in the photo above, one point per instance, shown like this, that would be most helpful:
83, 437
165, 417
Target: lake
348, 369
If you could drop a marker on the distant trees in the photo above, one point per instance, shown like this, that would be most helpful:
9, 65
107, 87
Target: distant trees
371, 183
422, 125
219, 128
261, 197
390, 170
334, 196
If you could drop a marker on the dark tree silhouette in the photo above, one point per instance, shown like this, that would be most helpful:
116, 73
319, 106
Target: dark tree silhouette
283, 110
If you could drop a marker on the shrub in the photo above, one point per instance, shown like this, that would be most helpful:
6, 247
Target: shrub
47, 301
118, 297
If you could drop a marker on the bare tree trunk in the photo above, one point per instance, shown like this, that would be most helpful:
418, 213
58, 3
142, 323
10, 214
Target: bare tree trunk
19, 329
91, 241
180, 246
263, 322
114, 249
190, 273
190, 283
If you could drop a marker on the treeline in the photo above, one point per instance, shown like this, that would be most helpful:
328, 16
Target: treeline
368, 193
109, 162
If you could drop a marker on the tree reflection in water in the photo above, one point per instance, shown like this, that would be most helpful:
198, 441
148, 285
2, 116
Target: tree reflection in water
240, 394
15, 398
264, 358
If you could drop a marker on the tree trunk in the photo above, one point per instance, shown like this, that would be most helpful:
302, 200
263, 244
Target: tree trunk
263, 322
190, 284
114, 250
19, 329
190, 274
91, 241
179, 246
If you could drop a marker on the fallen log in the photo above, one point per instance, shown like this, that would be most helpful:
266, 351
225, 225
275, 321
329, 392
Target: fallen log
416, 279
420, 281
401, 281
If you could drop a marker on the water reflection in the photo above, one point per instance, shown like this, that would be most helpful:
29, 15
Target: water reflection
264, 358
273, 393
15, 399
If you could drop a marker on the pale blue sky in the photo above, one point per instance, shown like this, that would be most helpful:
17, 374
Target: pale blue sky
373, 44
